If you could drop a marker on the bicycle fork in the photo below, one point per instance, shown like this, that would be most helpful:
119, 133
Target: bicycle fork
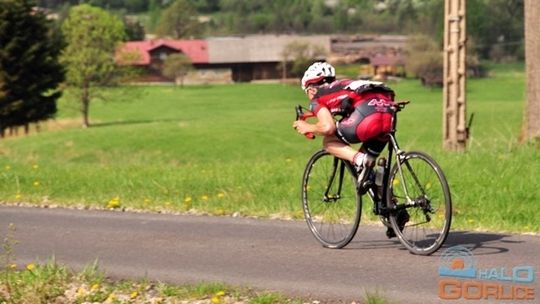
334, 197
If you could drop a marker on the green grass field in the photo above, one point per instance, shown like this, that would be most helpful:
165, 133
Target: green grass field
231, 149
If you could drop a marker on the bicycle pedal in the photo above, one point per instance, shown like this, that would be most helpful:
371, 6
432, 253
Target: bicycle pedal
367, 184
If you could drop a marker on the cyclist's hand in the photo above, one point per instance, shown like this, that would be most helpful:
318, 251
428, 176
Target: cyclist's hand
301, 127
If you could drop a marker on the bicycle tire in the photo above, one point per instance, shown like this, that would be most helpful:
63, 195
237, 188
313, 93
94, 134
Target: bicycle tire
331, 219
429, 220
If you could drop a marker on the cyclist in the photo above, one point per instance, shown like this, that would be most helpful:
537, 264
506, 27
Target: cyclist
366, 108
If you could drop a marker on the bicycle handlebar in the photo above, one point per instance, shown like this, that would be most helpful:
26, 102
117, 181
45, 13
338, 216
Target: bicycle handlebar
400, 105
301, 115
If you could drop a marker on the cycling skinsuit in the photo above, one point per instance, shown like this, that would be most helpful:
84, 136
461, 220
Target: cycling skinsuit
366, 108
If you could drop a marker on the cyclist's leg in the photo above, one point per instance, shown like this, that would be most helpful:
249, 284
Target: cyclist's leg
368, 126
346, 134
337, 147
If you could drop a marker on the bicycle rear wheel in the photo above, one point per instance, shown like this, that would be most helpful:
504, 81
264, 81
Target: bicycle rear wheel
420, 198
332, 206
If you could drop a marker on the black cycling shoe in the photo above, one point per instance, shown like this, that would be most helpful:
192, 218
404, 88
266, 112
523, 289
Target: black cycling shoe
402, 219
390, 233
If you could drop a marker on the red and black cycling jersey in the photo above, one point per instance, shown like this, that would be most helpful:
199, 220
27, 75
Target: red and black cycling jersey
366, 108
341, 97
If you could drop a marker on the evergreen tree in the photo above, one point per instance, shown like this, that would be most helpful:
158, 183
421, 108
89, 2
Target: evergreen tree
30, 72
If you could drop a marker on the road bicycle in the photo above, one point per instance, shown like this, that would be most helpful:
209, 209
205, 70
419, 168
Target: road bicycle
409, 191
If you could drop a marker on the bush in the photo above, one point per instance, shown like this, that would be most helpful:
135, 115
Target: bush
424, 60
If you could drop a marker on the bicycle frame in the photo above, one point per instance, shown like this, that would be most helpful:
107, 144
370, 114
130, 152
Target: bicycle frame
393, 148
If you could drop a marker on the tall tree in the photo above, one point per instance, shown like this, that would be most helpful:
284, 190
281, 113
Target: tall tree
177, 67
424, 60
30, 72
531, 126
299, 55
179, 20
134, 29
92, 36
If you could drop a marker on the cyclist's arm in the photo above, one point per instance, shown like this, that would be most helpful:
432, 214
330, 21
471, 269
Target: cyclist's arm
324, 126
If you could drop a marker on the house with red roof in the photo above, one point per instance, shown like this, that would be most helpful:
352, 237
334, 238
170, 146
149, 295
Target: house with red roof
217, 60
150, 54
151, 51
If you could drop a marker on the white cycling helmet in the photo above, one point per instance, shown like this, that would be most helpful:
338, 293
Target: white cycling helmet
318, 72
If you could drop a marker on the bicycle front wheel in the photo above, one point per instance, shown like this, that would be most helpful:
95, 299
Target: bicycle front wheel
332, 206
421, 204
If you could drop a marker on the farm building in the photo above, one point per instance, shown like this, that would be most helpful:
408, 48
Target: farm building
219, 60
260, 57
379, 55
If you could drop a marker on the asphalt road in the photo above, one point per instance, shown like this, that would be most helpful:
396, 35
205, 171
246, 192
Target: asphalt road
267, 254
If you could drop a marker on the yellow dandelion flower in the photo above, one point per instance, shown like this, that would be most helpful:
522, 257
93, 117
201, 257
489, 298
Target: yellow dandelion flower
134, 295
18, 196
220, 293
30, 267
204, 197
36, 184
95, 287
221, 195
188, 199
35, 167
114, 203
216, 300
470, 221
81, 292
111, 298
7, 168
395, 182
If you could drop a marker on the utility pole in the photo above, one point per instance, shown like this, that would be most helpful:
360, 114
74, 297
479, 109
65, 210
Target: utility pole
531, 127
455, 131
